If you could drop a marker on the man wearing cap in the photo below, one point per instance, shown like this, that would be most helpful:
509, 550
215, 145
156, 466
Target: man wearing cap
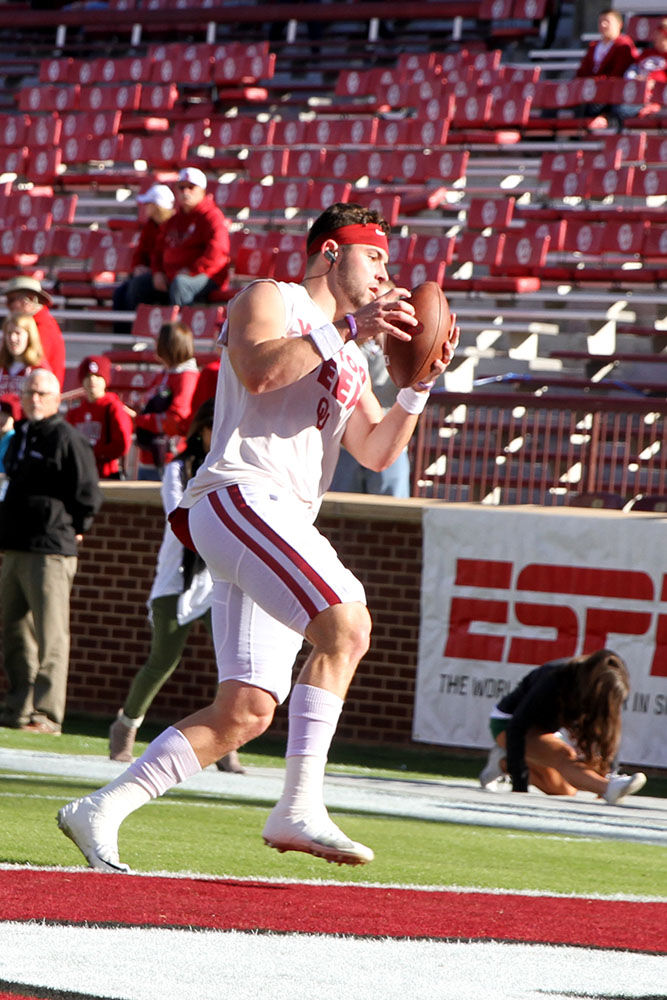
51, 497
293, 385
102, 418
191, 258
159, 202
26, 295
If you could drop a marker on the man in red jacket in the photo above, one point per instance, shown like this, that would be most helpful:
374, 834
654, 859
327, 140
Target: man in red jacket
612, 52
191, 256
26, 295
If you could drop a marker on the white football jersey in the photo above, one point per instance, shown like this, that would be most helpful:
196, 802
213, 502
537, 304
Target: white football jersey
289, 438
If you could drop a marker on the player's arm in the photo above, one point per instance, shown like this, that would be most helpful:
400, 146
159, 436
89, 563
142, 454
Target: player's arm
264, 359
376, 438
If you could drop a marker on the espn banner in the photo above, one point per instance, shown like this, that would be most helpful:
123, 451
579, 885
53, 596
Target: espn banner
504, 591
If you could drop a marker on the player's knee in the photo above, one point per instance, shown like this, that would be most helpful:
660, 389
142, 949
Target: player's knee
343, 629
355, 631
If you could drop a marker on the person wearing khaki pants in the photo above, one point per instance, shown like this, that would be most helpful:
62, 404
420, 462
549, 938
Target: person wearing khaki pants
50, 498
36, 634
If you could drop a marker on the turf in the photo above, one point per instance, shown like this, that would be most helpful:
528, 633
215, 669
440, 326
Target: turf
187, 832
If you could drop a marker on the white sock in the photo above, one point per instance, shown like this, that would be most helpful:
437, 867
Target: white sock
168, 760
313, 717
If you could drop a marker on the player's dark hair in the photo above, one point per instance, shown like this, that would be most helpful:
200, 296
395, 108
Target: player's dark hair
344, 214
592, 691
175, 343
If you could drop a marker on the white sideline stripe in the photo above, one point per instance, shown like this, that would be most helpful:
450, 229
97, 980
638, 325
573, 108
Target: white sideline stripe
643, 820
146, 964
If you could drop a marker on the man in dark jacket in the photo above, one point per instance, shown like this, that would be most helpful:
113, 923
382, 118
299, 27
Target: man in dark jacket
50, 498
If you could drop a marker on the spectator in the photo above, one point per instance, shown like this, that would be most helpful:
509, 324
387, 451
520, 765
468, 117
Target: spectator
651, 66
159, 202
560, 729
51, 498
26, 295
20, 352
10, 412
191, 258
102, 418
612, 53
164, 420
207, 381
182, 593
350, 476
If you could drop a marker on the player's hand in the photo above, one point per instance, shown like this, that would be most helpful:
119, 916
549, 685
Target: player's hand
452, 342
381, 316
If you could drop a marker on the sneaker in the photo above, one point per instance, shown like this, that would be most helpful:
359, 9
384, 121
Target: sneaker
621, 785
80, 821
492, 769
230, 763
121, 740
323, 840
40, 724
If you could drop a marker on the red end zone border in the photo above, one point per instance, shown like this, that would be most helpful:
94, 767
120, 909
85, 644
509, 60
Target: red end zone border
89, 897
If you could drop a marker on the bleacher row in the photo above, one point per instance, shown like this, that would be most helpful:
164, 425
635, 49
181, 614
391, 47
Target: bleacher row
536, 228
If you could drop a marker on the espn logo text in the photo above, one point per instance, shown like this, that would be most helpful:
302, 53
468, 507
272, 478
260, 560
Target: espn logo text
553, 597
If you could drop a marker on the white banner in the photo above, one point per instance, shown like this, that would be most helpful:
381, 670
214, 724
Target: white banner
505, 590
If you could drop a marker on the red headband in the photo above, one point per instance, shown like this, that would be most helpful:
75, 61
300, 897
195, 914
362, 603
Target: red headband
368, 234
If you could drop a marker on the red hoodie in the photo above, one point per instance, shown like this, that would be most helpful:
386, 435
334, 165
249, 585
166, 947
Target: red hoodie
107, 426
53, 342
615, 61
195, 241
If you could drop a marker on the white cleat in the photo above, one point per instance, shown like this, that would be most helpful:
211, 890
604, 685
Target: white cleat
323, 839
621, 785
492, 770
81, 822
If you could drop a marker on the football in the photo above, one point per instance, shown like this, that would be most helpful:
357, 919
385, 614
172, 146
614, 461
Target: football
409, 361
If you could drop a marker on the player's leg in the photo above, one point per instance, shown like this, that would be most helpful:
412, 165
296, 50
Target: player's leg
293, 575
556, 768
168, 640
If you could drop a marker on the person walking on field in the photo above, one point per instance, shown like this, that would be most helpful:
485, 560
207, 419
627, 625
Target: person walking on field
560, 729
292, 386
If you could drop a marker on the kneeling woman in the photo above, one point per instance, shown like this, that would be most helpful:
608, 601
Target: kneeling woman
560, 729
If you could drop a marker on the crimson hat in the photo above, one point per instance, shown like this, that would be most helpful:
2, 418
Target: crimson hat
95, 364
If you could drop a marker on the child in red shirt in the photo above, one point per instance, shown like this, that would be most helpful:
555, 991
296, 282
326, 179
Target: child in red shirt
102, 418
164, 421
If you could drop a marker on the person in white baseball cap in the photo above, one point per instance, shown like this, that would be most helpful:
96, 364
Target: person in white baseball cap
192, 254
158, 200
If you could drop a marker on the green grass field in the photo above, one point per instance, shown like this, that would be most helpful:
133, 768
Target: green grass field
206, 834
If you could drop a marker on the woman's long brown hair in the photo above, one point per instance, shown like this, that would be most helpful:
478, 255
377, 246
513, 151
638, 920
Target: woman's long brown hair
592, 694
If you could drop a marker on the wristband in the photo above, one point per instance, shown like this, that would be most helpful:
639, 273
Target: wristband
411, 400
352, 323
327, 340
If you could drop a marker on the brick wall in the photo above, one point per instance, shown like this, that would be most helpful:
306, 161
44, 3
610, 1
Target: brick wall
379, 539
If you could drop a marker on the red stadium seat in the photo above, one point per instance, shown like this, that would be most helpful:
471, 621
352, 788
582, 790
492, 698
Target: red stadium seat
43, 165
289, 265
266, 163
240, 132
610, 181
321, 195
584, 237
254, 262
204, 320
14, 130
303, 162
55, 70
495, 212
340, 132
124, 97
416, 271
478, 249
388, 205
149, 319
